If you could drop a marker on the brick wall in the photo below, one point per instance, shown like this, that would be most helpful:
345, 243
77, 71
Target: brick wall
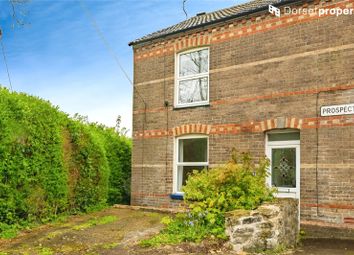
263, 71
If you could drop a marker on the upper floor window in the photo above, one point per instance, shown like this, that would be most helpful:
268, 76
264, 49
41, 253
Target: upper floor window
192, 81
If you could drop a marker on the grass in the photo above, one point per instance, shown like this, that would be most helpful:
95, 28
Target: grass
160, 239
9, 233
95, 222
53, 234
108, 246
45, 251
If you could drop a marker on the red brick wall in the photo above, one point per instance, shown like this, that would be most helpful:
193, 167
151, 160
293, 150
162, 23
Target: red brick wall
263, 70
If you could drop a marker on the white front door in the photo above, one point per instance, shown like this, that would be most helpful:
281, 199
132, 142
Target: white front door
283, 151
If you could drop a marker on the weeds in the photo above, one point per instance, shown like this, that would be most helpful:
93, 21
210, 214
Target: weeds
96, 221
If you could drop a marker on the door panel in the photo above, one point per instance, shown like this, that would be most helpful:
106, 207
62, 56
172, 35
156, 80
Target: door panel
283, 167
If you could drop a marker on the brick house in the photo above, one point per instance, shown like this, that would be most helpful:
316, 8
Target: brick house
245, 78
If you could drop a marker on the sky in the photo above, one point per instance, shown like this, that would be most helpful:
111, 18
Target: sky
57, 55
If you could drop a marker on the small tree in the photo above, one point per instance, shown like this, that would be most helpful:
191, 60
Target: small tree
120, 130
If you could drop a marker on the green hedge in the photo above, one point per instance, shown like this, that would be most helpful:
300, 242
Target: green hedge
51, 164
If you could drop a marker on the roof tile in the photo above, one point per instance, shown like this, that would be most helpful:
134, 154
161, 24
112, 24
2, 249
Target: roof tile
211, 17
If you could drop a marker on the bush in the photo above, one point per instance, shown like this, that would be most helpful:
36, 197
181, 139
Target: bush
33, 183
88, 168
239, 184
118, 154
51, 164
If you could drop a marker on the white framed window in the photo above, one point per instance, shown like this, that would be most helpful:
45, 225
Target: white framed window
192, 78
283, 151
191, 153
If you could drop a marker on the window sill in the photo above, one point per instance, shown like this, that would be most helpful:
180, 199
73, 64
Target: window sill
190, 106
176, 196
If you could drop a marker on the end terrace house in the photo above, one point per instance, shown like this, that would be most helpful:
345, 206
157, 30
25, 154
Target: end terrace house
279, 84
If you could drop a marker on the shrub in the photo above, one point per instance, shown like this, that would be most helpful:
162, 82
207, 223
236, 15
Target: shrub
89, 167
118, 154
51, 164
239, 184
32, 180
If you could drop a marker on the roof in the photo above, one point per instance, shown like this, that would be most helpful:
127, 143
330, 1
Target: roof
209, 18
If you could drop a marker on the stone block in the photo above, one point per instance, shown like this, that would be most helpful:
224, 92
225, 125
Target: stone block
270, 225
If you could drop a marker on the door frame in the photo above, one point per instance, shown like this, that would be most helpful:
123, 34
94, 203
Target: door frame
284, 192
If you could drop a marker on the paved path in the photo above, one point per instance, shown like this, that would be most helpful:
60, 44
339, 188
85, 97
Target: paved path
325, 247
118, 231
104, 232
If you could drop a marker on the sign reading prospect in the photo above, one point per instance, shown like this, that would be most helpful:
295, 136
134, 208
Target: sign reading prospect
341, 109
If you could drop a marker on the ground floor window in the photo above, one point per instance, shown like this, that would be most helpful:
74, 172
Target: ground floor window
283, 151
191, 153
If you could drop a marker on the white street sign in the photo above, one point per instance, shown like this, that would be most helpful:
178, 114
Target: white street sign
334, 110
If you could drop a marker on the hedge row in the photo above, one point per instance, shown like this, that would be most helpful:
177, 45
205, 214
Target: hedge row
51, 164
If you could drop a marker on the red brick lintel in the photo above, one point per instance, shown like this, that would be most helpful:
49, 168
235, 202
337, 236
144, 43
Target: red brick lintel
253, 126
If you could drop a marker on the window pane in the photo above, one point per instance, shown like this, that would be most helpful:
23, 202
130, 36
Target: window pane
193, 150
184, 172
275, 137
191, 91
193, 63
284, 167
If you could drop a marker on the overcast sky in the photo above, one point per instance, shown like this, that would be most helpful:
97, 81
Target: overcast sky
58, 56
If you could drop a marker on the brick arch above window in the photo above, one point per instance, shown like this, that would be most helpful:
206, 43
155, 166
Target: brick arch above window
281, 122
191, 129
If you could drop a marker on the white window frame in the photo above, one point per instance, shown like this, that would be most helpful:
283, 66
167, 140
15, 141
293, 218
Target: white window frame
190, 77
284, 191
176, 164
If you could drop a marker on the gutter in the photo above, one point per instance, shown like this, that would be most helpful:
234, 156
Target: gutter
238, 15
